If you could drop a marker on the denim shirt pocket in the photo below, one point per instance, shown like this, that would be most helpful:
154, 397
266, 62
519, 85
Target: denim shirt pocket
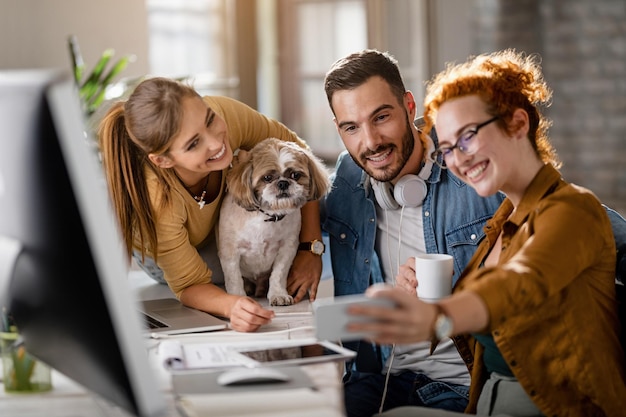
343, 241
462, 243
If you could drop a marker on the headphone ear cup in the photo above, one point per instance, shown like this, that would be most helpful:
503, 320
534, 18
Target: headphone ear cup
410, 191
384, 195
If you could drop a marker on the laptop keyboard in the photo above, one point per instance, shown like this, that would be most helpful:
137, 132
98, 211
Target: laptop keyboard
152, 323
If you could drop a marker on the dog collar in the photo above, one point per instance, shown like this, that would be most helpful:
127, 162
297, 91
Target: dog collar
272, 217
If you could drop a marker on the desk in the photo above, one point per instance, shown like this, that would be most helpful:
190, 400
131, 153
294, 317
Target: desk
68, 399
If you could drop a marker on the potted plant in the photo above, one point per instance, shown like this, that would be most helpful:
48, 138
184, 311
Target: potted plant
93, 86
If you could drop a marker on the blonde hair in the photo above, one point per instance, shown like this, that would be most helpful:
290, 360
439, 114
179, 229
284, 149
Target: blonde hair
131, 130
505, 80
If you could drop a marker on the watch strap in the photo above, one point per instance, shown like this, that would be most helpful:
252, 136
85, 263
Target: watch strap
434, 339
305, 246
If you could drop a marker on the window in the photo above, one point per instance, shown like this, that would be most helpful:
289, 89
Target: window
315, 33
274, 54
192, 39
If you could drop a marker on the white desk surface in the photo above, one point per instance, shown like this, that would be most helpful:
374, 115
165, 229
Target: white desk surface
68, 399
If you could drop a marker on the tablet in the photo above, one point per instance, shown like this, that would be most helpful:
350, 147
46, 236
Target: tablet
291, 352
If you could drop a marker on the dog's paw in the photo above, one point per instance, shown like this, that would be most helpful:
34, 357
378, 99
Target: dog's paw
281, 300
235, 287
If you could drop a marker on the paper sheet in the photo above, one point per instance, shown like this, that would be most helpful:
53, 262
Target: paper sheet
177, 356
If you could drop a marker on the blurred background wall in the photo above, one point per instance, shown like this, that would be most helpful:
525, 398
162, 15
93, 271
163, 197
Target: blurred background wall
273, 54
33, 33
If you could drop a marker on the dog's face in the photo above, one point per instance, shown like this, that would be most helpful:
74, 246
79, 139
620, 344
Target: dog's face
276, 175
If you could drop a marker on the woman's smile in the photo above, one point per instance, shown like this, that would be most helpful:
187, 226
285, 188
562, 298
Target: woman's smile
474, 172
219, 155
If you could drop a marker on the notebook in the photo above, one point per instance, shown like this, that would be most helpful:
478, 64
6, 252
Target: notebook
170, 316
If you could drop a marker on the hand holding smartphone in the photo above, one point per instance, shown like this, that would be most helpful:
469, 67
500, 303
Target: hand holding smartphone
331, 316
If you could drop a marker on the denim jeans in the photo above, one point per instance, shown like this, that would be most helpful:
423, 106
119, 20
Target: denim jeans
363, 393
501, 396
149, 267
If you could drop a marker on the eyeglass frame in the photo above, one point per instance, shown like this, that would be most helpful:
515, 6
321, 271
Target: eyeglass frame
440, 151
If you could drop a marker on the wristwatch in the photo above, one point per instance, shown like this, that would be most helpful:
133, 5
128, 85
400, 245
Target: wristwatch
315, 246
442, 327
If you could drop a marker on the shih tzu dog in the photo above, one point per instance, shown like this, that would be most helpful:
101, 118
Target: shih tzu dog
259, 224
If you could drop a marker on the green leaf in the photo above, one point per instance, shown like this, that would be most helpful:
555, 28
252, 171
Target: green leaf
119, 66
98, 96
90, 87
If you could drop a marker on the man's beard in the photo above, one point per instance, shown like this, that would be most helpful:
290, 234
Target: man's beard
390, 172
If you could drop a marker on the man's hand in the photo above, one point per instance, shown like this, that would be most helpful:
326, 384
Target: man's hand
406, 277
304, 275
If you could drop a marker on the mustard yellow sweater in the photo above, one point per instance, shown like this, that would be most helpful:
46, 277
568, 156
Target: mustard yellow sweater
181, 226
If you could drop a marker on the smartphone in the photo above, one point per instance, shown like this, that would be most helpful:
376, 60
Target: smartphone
331, 317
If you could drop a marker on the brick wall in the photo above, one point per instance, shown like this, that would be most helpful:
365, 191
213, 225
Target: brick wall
583, 49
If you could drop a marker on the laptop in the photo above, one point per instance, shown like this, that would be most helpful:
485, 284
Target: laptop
170, 316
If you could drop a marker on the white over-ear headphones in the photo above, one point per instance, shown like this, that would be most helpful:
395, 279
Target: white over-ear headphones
410, 190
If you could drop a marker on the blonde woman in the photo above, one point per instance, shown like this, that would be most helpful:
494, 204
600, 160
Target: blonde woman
165, 152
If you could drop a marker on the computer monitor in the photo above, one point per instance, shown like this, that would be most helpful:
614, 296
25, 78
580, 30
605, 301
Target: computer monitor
67, 288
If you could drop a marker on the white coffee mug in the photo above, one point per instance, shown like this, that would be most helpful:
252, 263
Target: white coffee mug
433, 272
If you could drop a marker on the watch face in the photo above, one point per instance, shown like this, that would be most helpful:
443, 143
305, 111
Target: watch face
443, 326
317, 247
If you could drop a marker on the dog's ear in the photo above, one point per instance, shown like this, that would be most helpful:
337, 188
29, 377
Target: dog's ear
320, 177
239, 183
242, 156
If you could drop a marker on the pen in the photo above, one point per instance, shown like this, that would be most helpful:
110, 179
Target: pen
294, 313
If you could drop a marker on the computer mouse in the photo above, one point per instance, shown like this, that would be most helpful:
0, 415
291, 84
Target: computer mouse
244, 376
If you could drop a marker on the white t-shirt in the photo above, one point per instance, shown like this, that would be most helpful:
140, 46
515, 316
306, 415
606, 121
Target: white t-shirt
400, 235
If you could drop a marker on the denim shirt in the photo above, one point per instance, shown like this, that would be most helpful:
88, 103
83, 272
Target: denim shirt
453, 215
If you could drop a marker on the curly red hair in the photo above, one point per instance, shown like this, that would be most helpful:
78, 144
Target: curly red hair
505, 80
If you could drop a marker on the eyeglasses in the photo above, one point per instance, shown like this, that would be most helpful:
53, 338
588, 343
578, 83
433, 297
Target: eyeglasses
464, 143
